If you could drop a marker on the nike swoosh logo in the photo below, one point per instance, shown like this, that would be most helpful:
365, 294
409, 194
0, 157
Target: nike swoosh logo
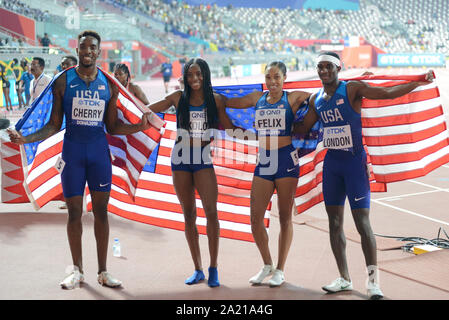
103, 185
74, 86
290, 170
358, 199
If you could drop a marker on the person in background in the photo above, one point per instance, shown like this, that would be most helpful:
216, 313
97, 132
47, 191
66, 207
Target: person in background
18, 71
167, 70
45, 42
121, 73
66, 62
41, 80
25, 81
5, 87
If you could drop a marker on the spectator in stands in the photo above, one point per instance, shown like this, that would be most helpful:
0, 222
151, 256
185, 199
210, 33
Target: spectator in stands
45, 42
5, 86
121, 73
41, 80
167, 70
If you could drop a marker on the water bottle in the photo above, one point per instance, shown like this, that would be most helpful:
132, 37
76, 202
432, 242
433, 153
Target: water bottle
116, 251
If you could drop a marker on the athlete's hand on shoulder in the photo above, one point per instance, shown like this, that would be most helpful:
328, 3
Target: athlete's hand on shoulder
16, 137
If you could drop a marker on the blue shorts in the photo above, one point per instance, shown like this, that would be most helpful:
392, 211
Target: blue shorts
345, 174
192, 159
86, 162
278, 163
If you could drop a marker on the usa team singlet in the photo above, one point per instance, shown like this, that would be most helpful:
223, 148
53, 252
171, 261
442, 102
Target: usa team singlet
193, 158
275, 120
85, 150
345, 166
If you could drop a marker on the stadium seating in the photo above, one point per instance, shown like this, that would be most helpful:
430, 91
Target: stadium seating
393, 25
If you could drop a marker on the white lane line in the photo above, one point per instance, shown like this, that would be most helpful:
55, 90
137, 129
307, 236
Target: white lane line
429, 185
410, 212
408, 195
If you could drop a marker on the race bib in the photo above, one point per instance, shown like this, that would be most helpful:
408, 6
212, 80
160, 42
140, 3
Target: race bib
198, 123
88, 112
270, 121
295, 157
337, 137
60, 164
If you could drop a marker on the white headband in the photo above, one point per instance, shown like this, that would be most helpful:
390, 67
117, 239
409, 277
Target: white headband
329, 58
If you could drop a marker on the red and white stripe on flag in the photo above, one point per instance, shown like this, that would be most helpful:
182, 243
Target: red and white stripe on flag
129, 154
12, 174
42, 181
406, 137
156, 202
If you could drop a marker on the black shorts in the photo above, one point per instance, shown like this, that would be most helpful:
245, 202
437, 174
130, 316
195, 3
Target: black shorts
167, 78
5, 84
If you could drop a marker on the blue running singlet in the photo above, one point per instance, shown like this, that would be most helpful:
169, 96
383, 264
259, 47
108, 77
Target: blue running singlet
191, 158
345, 164
275, 120
85, 149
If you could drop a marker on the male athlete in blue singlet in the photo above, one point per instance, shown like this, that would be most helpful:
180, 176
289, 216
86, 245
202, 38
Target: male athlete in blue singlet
88, 100
338, 106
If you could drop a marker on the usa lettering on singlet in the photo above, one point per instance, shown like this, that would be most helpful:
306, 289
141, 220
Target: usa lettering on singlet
198, 123
270, 121
87, 108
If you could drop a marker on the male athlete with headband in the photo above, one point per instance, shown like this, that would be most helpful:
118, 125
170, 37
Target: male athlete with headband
338, 106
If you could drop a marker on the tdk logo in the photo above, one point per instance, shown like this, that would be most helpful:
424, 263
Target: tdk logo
335, 130
90, 103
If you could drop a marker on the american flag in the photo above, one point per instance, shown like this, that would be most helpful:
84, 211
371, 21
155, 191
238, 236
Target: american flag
156, 202
42, 182
405, 138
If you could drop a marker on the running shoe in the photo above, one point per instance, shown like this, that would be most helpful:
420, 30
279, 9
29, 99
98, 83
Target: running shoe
373, 291
277, 279
266, 271
72, 280
339, 284
105, 279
